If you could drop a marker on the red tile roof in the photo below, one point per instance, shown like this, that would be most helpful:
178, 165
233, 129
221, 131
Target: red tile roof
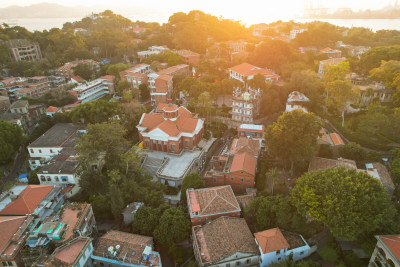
247, 69
271, 240
243, 144
51, 109
326, 49
392, 242
151, 120
70, 252
107, 77
336, 139
244, 162
213, 200
9, 225
27, 200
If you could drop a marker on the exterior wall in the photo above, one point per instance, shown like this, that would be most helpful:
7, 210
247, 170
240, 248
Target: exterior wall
239, 181
44, 152
253, 134
381, 255
292, 106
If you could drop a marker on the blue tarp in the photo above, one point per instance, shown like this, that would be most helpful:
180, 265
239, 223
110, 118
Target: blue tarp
24, 175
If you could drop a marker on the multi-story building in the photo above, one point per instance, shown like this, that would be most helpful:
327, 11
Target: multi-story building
297, 100
18, 87
37, 200
190, 57
14, 231
251, 130
76, 252
325, 64
170, 128
67, 69
373, 92
245, 105
245, 72
136, 75
51, 143
331, 53
94, 90
23, 50
293, 33
117, 248
226, 241
4, 103
277, 246
153, 50
386, 252
207, 204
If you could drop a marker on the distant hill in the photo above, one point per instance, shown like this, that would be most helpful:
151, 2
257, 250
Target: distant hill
42, 10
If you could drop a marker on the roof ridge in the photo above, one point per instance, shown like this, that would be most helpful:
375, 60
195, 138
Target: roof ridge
209, 203
226, 200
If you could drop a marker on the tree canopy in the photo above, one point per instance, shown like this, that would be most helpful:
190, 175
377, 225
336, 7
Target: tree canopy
293, 137
10, 140
348, 202
192, 180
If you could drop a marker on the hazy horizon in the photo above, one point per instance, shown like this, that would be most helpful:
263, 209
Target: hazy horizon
249, 12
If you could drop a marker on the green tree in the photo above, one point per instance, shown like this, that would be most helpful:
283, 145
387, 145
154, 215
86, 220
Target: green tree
396, 170
348, 202
95, 111
272, 175
293, 137
10, 140
84, 71
272, 54
192, 180
352, 151
115, 69
144, 92
388, 73
147, 219
174, 227
106, 139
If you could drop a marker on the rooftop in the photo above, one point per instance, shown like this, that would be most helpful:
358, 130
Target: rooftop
392, 243
379, 171
297, 97
244, 162
131, 247
252, 127
25, 201
271, 240
74, 215
70, 253
223, 237
213, 200
247, 69
173, 69
318, 163
243, 144
61, 134
19, 104
62, 164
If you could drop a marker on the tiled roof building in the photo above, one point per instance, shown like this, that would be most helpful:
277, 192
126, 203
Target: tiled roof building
387, 251
208, 204
318, 163
170, 128
226, 240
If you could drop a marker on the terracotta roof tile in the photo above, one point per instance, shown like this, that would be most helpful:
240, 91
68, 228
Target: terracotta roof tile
271, 240
9, 225
151, 120
318, 163
186, 124
213, 200
243, 144
336, 139
168, 127
70, 252
51, 109
27, 200
244, 162
392, 242
247, 69
223, 237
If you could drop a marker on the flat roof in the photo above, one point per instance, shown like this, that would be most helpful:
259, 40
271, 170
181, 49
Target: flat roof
251, 127
57, 136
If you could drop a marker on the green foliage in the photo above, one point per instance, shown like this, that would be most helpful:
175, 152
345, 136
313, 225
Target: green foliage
273, 100
373, 57
348, 202
101, 206
325, 151
84, 71
174, 227
169, 57
115, 69
329, 254
290, 263
57, 97
272, 54
10, 140
147, 219
32, 178
352, 151
319, 34
4, 57
277, 211
396, 170
293, 137
144, 92
95, 111
309, 83
192, 180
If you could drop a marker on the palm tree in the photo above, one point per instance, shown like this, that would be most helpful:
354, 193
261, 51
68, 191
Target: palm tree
272, 174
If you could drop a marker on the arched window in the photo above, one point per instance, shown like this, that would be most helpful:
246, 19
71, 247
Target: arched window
42, 178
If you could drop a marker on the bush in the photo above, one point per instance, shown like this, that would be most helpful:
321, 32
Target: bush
329, 254
352, 151
325, 151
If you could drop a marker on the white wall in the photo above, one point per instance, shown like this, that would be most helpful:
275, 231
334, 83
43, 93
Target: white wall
71, 178
44, 152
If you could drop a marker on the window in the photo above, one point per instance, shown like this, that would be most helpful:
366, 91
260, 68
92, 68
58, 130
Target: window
187, 143
248, 180
301, 253
231, 178
48, 178
215, 180
51, 150
279, 258
40, 151
238, 263
42, 178
278, 252
228, 265
241, 179
56, 178
248, 261
31, 150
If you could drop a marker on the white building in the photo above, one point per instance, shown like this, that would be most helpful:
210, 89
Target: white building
294, 32
52, 142
276, 246
153, 50
96, 89
386, 251
245, 72
297, 100
325, 64
245, 105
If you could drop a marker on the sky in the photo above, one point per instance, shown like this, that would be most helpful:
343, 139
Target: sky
248, 11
